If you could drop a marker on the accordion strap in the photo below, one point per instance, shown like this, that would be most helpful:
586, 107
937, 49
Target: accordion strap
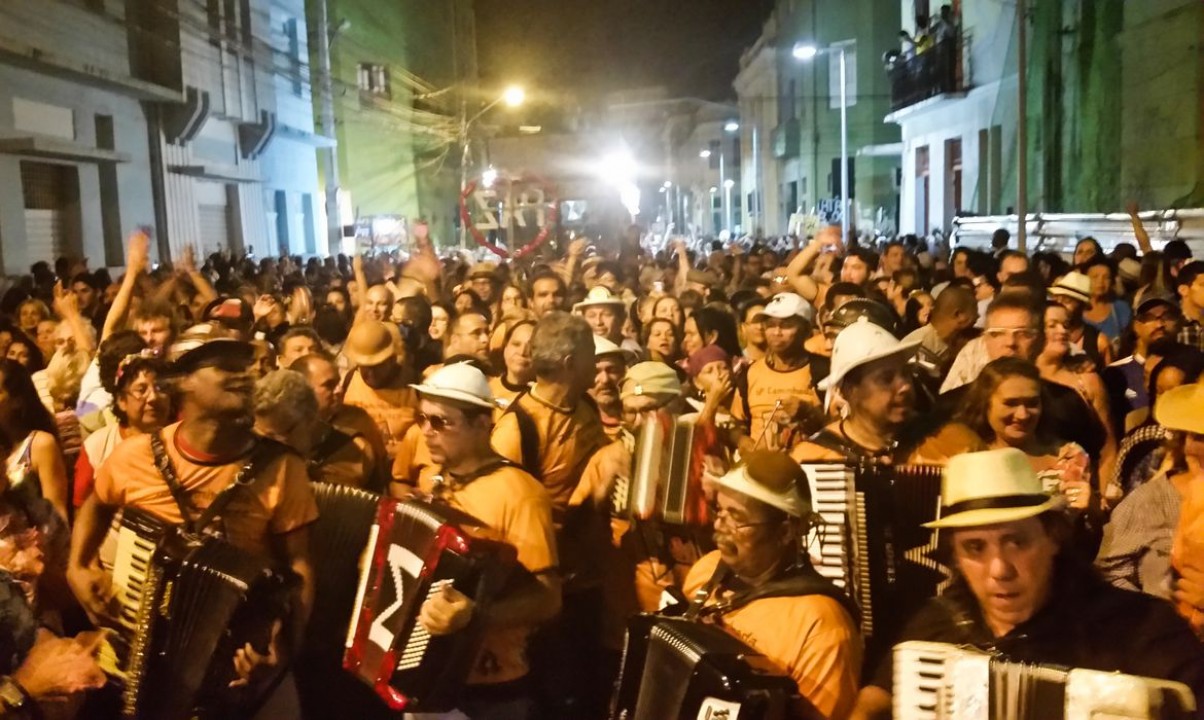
794, 582
194, 522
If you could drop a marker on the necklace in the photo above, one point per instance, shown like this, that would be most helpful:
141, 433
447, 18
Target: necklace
554, 406
886, 449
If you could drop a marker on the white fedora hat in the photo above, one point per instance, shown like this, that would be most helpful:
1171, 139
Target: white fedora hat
861, 343
460, 382
599, 295
1073, 284
990, 487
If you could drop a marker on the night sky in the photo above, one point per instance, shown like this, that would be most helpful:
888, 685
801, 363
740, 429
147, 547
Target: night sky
593, 46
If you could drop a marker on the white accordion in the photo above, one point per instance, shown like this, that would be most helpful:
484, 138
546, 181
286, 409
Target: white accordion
937, 681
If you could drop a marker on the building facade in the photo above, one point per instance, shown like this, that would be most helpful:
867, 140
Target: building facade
403, 78
804, 142
756, 88
158, 113
1114, 94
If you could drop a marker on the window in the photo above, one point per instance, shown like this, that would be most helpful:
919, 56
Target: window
294, 55
716, 150
374, 80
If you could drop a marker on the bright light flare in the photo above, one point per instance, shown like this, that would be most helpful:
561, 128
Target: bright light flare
514, 96
489, 177
729, 183
705, 154
618, 168
731, 126
805, 51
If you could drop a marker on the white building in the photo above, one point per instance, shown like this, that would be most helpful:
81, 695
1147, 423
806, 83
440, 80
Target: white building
756, 89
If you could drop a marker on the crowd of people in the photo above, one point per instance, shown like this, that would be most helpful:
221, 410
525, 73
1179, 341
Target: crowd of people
1062, 395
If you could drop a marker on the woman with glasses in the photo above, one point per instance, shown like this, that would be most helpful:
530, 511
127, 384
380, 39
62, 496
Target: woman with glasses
1057, 364
141, 404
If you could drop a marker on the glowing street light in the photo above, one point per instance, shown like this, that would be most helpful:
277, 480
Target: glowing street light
729, 183
489, 177
514, 96
731, 126
668, 184
705, 154
805, 51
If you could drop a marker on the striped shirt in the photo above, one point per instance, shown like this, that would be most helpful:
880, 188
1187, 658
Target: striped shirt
1136, 551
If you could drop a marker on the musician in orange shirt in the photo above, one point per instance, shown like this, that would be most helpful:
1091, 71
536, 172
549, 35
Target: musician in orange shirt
761, 588
380, 382
269, 516
456, 417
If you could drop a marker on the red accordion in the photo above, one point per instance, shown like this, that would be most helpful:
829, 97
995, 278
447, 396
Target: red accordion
415, 549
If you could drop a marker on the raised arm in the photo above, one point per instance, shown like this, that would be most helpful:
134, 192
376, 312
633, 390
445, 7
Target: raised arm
187, 266
136, 261
797, 271
1143, 238
683, 265
67, 306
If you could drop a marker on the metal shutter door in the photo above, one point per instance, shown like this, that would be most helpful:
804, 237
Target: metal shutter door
43, 235
215, 231
42, 185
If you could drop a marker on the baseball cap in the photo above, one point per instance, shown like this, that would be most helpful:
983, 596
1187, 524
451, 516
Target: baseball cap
788, 305
1150, 299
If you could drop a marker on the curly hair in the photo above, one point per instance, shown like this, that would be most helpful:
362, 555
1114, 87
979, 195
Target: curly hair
285, 398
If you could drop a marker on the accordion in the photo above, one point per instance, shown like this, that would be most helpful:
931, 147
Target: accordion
935, 681
186, 604
675, 668
663, 485
338, 539
415, 549
872, 544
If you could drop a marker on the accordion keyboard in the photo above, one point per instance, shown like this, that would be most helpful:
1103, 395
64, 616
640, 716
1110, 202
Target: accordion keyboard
420, 639
830, 486
134, 552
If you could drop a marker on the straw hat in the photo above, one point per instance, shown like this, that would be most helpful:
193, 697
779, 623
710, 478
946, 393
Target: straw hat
460, 382
599, 295
990, 487
1181, 409
859, 344
1073, 284
369, 343
767, 466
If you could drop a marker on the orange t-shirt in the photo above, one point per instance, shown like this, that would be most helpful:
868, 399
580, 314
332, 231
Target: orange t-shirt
392, 409
811, 638
566, 443
766, 387
515, 509
278, 500
1187, 558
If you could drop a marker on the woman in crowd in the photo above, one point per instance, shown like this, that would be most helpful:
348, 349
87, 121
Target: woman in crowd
663, 340
25, 353
35, 460
516, 359
1108, 314
513, 299
46, 337
1057, 364
441, 316
141, 405
669, 308
1086, 250
31, 312
338, 299
708, 326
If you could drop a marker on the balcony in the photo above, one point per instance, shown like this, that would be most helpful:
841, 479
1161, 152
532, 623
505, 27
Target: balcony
936, 71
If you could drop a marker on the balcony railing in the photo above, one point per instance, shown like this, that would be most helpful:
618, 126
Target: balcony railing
935, 71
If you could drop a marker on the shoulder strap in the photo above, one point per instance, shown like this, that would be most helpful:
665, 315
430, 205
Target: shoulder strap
528, 435
168, 473
798, 582
334, 440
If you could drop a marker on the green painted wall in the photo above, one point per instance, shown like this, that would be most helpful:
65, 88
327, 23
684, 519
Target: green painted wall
392, 159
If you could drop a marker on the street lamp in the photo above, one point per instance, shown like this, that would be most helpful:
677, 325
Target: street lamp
732, 126
806, 52
705, 154
513, 96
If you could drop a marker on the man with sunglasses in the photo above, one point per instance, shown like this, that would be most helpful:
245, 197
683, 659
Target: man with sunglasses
456, 418
209, 451
760, 586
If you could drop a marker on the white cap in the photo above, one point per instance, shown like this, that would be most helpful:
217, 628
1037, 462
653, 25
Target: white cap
603, 346
788, 305
460, 382
789, 502
861, 343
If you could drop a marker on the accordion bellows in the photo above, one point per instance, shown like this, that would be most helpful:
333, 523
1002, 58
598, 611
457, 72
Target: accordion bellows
937, 681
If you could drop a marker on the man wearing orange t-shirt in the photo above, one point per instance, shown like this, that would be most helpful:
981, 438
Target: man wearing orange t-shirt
760, 588
207, 449
456, 418
379, 383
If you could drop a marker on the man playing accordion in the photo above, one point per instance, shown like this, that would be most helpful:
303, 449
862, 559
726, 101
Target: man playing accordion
1018, 593
209, 452
760, 587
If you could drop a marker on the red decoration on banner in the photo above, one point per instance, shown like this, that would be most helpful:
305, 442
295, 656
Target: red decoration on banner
551, 218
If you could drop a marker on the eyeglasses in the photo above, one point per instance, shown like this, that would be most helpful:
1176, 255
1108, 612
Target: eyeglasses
143, 392
438, 424
721, 516
1016, 333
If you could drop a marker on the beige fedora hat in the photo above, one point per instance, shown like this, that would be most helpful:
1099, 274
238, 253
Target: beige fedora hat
990, 487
